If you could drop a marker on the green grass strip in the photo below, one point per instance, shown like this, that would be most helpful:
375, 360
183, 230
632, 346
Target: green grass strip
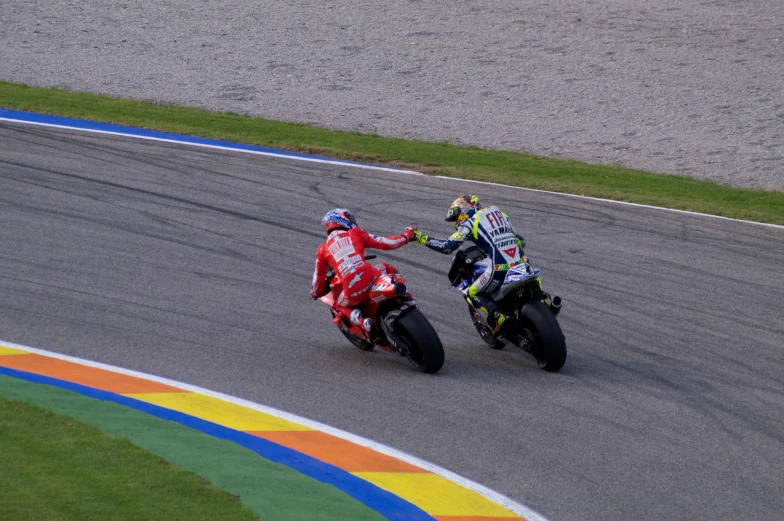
54, 469
517, 169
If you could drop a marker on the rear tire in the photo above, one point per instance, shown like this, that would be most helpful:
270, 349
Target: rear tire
537, 323
425, 349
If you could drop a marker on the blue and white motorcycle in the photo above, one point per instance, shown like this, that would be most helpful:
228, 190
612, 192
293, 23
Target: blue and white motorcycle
532, 323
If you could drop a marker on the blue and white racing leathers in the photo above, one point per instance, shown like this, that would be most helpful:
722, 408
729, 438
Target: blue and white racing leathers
492, 232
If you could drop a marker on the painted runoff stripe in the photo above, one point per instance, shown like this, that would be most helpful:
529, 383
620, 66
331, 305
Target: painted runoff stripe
33, 118
272, 491
397, 485
46, 120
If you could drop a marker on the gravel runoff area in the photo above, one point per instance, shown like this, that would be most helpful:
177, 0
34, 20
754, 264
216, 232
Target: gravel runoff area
692, 87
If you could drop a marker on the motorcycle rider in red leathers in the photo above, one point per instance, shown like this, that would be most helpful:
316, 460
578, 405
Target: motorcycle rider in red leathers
344, 252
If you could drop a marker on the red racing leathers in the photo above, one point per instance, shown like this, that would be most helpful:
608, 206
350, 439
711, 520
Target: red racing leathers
344, 252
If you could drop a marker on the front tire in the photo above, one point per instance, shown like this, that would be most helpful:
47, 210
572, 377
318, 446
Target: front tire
538, 325
425, 349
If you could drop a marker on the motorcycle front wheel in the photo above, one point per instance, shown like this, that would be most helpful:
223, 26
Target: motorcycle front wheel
484, 331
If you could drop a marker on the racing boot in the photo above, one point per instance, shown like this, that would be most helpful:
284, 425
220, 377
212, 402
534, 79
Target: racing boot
496, 321
366, 324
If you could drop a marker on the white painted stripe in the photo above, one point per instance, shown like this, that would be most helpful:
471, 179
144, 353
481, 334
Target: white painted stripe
387, 169
610, 201
492, 495
219, 147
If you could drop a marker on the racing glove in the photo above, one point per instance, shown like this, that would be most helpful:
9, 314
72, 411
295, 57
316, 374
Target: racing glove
410, 233
420, 237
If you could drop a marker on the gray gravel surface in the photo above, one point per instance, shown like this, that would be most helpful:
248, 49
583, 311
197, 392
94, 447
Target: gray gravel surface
196, 265
691, 87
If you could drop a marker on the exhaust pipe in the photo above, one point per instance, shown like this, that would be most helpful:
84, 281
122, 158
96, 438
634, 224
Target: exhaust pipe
555, 305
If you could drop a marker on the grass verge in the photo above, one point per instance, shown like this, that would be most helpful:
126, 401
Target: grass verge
524, 170
56, 468
270, 490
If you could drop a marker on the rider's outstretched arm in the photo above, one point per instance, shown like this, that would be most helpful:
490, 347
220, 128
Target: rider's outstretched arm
392, 242
442, 245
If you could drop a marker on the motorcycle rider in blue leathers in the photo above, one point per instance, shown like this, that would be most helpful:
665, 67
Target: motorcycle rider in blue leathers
489, 228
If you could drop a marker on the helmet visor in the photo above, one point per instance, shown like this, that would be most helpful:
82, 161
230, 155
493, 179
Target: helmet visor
453, 214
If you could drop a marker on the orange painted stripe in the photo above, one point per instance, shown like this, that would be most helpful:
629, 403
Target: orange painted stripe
85, 375
478, 518
341, 453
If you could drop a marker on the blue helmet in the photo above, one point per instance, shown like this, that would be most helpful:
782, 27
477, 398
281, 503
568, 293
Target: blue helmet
339, 218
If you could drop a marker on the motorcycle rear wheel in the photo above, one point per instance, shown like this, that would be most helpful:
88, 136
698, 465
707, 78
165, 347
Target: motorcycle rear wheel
425, 349
538, 324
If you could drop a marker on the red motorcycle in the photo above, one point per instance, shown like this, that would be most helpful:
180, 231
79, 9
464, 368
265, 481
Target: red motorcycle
402, 328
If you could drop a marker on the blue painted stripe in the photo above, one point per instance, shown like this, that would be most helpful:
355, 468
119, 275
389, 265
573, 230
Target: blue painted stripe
82, 124
385, 503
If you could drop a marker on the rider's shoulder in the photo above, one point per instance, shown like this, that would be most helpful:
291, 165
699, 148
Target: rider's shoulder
466, 226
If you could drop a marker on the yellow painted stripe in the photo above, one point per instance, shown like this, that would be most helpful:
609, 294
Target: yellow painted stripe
220, 412
11, 351
436, 495
439, 497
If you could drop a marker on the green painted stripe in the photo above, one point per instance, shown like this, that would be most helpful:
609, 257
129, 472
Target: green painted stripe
272, 491
55, 468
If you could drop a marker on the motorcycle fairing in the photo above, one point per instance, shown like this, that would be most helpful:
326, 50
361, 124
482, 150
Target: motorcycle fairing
516, 277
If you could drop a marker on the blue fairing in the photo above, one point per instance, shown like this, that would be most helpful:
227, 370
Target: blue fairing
475, 274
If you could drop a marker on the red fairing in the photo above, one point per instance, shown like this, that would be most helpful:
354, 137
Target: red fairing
344, 252
386, 269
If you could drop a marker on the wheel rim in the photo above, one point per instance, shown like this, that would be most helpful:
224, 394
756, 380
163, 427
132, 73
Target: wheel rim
485, 333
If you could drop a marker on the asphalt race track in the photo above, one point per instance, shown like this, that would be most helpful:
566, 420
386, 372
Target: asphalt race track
195, 265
